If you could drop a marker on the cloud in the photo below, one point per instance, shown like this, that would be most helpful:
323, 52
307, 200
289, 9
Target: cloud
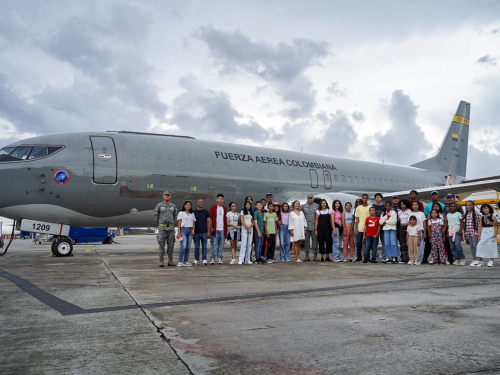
480, 163
335, 90
404, 143
358, 116
487, 60
281, 65
211, 114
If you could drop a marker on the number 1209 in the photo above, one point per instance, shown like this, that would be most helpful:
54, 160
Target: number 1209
44, 227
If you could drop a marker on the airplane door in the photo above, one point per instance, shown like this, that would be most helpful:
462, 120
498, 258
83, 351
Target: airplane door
104, 153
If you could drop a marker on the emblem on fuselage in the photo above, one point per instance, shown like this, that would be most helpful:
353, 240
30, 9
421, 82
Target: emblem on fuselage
61, 177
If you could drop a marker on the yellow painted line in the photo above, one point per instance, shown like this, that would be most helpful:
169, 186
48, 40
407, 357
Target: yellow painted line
462, 120
88, 250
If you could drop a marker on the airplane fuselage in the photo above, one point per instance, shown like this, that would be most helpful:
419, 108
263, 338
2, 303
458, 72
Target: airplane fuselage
117, 178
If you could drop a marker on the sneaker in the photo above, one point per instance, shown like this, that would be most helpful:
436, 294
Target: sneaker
337, 260
249, 262
180, 264
447, 262
345, 260
456, 262
270, 261
462, 262
327, 259
212, 261
187, 264
490, 263
205, 262
275, 260
298, 261
410, 262
482, 263
374, 261
220, 260
351, 260
365, 260
195, 262
233, 261
475, 263
240, 263
417, 264
288, 260
401, 262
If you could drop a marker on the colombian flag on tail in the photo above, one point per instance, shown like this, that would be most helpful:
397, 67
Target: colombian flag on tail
454, 137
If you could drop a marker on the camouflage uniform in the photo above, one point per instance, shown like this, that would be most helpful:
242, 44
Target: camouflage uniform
309, 211
166, 217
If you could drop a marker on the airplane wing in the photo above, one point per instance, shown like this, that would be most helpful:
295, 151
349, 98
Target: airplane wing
468, 187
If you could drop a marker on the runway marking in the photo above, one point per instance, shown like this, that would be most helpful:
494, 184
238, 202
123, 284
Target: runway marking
67, 308
88, 250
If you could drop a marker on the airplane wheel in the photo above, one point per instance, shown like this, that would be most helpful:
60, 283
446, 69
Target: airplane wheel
52, 247
63, 248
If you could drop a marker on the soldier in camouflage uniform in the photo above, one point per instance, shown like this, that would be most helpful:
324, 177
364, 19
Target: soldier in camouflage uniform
166, 218
309, 210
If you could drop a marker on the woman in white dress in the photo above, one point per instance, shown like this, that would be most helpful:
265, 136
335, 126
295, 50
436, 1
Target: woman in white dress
297, 225
487, 246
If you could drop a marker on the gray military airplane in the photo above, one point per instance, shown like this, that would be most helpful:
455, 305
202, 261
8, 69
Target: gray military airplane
52, 182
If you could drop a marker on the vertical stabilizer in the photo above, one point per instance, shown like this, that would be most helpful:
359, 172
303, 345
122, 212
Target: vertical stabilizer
452, 155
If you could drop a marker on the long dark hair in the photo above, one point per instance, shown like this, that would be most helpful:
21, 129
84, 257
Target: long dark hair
406, 202
245, 211
287, 206
489, 208
293, 204
418, 205
340, 206
326, 203
439, 210
473, 212
184, 207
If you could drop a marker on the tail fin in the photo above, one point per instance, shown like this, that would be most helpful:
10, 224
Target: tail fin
452, 155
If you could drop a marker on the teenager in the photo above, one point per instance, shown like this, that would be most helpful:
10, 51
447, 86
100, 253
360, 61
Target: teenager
218, 214
323, 230
246, 218
436, 234
427, 210
413, 239
455, 231
487, 246
185, 232
233, 230
370, 235
380, 207
362, 212
403, 218
422, 229
348, 233
201, 232
258, 222
284, 233
271, 228
389, 220
297, 225
472, 229
337, 229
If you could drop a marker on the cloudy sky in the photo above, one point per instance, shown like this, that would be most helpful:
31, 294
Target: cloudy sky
372, 80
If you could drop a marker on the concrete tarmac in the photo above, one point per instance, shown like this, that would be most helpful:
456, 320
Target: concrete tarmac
110, 309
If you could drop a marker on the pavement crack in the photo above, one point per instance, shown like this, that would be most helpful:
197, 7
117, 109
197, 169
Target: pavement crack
162, 336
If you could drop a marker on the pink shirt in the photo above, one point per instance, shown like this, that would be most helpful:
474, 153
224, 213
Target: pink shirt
337, 216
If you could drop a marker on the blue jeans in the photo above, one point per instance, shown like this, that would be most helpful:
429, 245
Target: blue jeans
336, 245
258, 245
422, 246
185, 244
284, 242
203, 238
390, 243
217, 245
456, 247
359, 245
371, 243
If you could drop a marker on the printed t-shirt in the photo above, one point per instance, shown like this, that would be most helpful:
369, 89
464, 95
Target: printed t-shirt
428, 207
372, 224
233, 219
220, 218
187, 220
270, 219
362, 213
201, 221
404, 216
259, 217
246, 218
413, 231
454, 219
420, 216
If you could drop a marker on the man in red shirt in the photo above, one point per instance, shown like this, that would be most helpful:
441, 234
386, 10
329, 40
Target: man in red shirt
370, 236
218, 214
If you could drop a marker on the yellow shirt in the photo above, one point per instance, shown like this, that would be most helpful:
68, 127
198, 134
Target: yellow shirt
362, 213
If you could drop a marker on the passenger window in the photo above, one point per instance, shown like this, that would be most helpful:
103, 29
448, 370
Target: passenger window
349, 179
369, 181
38, 152
342, 178
362, 180
356, 179
335, 178
386, 182
21, 153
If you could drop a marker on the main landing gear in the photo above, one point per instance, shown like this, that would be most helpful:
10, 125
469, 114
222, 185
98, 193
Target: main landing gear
62, 247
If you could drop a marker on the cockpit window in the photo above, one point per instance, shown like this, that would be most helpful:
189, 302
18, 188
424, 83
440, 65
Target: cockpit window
6, 150
21, 153
38, 152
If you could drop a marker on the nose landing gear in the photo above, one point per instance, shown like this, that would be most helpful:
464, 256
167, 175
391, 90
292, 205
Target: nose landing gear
62, 247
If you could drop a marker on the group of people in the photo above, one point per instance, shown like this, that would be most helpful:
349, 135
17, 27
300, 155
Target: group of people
408, 230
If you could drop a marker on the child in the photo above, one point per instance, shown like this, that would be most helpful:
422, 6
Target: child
455, 228
258, 221
370, 235
271, 228
348, 235
487, 246
233, 230
436, 230
422, 228
413, 240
